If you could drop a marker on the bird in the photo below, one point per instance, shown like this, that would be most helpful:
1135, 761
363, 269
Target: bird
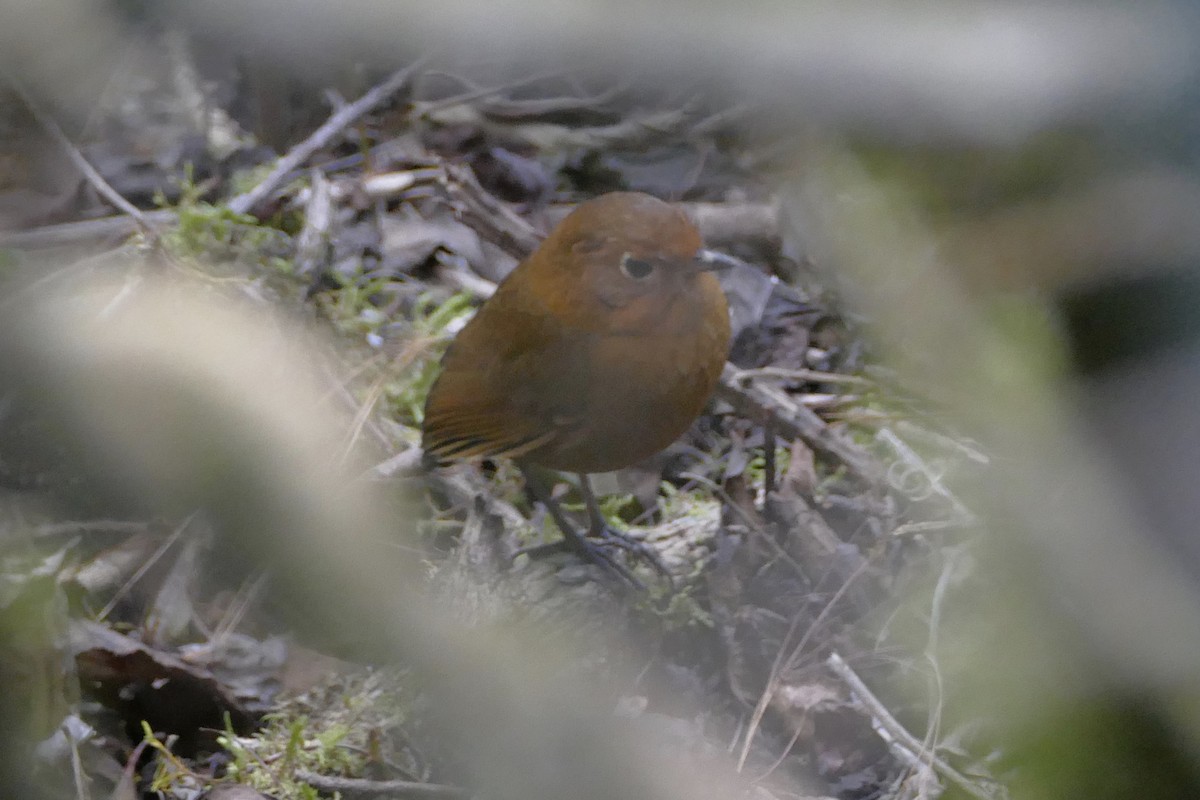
596, 352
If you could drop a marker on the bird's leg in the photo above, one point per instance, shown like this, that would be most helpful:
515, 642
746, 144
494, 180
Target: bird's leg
600, 529
572, 539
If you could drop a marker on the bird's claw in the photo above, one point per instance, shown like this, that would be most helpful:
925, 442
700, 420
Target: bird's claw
597, 547
635, 547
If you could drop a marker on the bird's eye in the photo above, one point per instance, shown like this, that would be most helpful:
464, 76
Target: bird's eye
636, 268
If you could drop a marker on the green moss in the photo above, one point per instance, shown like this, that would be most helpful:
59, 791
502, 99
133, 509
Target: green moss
352, 306
675, 609
169, 771
214, 234
269, 761
331, 731
756, 469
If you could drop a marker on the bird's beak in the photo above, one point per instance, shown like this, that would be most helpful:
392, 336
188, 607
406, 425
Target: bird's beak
710, 260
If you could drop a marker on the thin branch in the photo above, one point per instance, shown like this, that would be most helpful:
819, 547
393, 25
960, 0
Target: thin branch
758, 402
95, 526
70, 233
340, 120
313, 245
811, 375
141, 571
77, 158
424, 108
783, 663
907, 461
493, 220
903, 744
358, 787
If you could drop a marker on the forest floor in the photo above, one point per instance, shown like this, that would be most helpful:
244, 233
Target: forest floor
811, 536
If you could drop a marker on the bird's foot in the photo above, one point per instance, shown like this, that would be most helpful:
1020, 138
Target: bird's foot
599, 547
610, 536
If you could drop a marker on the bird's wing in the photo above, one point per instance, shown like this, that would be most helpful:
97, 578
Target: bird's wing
504, 395
485, 436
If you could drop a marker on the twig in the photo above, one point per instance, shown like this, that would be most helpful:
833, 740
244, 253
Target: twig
479, 209
398, 365
937, 684
95, 526
462, 279
811, 375
161, 551
634, 132
78, 774
340, 120
959, 446
359, 787
750, 523
70, 233
758, 402
783, 663
93, 177
903, 744
313, 243
424, 108
931, 526
908, 460
406, 463
746, 224
825, 401
381, 186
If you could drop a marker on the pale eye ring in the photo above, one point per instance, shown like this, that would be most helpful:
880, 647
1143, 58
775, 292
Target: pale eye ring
636, 268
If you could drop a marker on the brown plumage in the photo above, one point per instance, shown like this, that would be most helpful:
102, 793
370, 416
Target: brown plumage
596, 352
